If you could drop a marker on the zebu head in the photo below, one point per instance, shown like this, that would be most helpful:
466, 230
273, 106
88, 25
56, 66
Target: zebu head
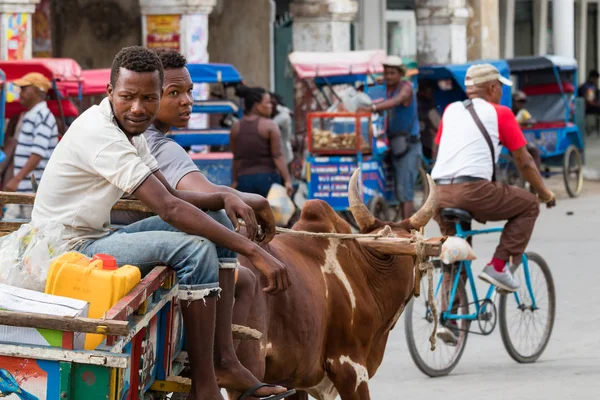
369, 224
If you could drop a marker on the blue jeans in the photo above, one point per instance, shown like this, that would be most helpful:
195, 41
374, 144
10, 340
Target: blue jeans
406, 170
152, 242
257, 183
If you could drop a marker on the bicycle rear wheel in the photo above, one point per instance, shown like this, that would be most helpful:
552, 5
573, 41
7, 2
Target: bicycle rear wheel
419, 323
526, 329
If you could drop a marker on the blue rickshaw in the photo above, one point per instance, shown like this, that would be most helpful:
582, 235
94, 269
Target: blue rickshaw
550, 85
216, 163
340, 140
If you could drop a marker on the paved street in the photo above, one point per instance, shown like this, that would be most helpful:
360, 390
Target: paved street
570, 366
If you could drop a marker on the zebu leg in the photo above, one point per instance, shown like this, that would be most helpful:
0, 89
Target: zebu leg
350, 377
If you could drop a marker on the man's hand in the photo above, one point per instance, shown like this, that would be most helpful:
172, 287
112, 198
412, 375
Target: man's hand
236, 208
12, 185
289, 188
364, 110
549, 198
264, 216
275, 272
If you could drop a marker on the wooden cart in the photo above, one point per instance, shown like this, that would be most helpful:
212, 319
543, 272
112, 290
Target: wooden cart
141, 358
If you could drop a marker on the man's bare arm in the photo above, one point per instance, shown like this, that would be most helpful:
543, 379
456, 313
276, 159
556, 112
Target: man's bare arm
189, 219
215, 201
530, 172
405, 94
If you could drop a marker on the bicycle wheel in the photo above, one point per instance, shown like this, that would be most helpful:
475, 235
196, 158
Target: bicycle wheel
573, 171
419, 323
526, 330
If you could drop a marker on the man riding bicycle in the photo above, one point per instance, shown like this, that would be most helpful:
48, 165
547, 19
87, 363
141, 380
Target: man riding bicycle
464, 171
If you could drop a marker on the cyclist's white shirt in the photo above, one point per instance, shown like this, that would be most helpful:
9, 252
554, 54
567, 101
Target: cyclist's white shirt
463, 150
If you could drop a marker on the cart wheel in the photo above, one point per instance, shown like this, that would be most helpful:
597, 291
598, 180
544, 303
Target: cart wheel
379, 208
573, 171
508, 173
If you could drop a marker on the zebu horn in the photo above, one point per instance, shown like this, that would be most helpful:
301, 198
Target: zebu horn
422, 217
360, 212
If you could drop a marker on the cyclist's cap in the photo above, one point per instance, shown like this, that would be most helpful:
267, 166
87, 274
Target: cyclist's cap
481, 73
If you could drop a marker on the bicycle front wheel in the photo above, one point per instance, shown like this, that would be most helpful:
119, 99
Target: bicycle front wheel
419, 323
527, 316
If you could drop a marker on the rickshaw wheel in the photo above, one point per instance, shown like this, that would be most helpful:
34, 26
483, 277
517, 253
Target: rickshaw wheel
573, 171
379, 208
508, 173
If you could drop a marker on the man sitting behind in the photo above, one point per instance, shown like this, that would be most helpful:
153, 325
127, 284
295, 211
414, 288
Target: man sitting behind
463, 171
182, 174
104, 155
36, 139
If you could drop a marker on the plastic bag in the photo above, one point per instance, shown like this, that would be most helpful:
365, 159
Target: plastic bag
456, 249
281, 204
26, 255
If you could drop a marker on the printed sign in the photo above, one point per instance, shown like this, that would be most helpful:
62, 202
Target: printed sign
16, 35
163, 31
42, 30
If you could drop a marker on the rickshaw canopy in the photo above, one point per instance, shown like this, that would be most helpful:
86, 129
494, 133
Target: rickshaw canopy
536, 63
214, 73
93, 82
351, 65
60, 69
450, 81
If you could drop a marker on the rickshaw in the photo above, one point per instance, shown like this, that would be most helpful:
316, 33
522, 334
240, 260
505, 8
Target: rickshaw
550, 85
339, 142
216, 165
60, 72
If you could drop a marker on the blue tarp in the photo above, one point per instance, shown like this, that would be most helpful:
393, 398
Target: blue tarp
457, 74
214, 73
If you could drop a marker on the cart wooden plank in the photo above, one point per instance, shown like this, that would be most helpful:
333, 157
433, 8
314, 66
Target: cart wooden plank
65, 324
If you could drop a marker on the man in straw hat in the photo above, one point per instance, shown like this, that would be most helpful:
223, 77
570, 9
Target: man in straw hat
464, 170
402, 130
37, 138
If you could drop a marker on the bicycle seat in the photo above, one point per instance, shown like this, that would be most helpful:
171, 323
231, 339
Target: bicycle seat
456, 214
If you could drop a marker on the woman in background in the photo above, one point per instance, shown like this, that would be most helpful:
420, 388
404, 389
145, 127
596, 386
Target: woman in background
255, 141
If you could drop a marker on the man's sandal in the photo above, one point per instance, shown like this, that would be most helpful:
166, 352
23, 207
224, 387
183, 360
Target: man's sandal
250, 393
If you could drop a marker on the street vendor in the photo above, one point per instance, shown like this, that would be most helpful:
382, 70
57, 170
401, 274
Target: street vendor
182, 174
402, 130
104, 155
37, 137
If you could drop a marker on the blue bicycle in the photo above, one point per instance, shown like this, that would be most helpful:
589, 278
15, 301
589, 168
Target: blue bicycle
526, 316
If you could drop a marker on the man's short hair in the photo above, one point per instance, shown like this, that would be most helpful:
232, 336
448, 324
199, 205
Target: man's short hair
171, 59
136, 59
594, 74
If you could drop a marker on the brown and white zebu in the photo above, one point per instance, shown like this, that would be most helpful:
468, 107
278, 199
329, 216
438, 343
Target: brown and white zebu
327, 333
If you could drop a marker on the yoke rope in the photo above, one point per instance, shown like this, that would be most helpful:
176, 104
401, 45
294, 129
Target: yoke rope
422, 260
426, 266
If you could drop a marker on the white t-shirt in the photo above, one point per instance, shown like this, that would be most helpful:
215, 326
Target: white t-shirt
91, 168
463, 150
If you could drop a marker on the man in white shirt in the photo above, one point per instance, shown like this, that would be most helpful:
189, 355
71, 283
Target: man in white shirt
463, 171
104, 155
37, 138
